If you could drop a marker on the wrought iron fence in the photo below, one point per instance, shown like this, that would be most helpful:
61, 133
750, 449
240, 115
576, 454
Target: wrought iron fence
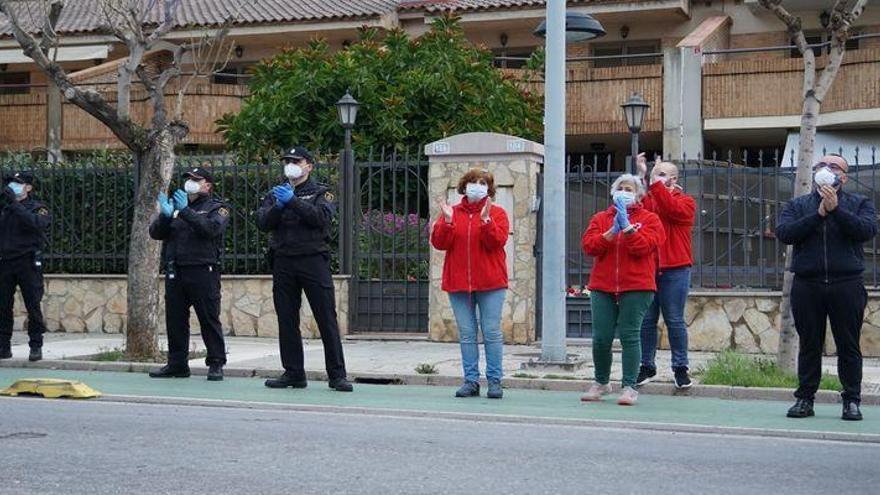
734, 242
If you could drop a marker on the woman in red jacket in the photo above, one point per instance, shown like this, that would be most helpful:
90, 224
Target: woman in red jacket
473, 234
623, 240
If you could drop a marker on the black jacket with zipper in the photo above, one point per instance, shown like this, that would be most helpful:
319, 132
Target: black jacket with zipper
302, 226
827, 249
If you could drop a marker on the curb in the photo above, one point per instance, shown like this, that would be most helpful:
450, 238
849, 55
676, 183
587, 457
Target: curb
501, 418
704, 391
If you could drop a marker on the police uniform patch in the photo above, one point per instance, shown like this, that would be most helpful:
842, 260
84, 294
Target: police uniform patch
43, 211
329, 196
223, 211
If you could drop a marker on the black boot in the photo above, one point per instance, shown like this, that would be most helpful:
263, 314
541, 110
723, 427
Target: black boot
215, 373
851, 411
468, 389
171, 371
36, 354
286, 380
5, 351
341, 385
495, 390
802, 408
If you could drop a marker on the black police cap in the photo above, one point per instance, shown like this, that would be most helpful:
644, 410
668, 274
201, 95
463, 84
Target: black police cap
298, 152
199, 173
22, 177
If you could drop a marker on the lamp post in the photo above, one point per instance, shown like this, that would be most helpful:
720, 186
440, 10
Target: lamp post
634, 111
347, 107
558, 28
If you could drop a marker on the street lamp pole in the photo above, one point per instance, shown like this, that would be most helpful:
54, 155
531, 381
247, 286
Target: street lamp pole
347, 108
553, 312
634, 110
558, 29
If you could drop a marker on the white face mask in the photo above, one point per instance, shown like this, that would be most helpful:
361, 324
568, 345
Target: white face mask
476, 192
17, 188
293, 171
192, 187
824, 177
627, 197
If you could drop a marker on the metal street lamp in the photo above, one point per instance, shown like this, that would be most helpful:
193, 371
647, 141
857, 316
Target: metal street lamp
558, 28
347, 107
578, 27
634, 111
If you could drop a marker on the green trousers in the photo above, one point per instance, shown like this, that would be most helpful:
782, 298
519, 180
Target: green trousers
622, 316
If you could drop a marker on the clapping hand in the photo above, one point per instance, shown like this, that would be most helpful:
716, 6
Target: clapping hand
283, 194
829, 200
484, 213
621, 219
165, 206
181, 201
445, 210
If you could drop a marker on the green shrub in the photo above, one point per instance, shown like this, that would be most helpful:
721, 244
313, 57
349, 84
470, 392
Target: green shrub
732, 368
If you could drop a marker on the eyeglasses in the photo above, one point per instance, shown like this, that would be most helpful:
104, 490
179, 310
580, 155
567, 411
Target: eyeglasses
831, 166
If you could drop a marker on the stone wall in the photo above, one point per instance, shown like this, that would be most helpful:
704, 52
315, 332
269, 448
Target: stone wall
97, 304
749, 322
515, 163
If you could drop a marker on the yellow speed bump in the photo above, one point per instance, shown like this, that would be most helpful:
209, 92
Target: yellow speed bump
51, 388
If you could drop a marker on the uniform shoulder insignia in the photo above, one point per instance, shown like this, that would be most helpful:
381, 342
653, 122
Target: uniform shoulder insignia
43, 211
329, 196
223, 211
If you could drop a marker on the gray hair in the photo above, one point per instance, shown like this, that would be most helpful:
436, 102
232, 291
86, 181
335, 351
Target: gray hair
635, 181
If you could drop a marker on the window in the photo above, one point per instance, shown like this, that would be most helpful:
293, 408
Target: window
14, 83
232, 75
512, 52
625, 48
817, 37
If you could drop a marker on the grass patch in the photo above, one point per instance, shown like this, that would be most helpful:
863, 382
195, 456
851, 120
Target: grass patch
560, 377
426, 369
118, 354
524, 375
732, 368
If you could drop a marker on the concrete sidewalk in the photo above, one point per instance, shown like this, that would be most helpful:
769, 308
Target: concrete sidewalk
680, 414
383, 357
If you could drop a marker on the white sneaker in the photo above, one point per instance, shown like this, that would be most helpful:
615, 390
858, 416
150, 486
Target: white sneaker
628, 397
596, 392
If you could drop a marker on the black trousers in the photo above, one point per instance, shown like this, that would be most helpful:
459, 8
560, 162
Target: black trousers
21, 272
197, 287
843, 304
291, 276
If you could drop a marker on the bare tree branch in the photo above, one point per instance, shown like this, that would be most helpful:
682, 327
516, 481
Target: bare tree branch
50, 37
170, 9
89, 101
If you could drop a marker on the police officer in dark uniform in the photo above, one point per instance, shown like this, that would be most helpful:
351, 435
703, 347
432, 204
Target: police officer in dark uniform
298, 213
23, 225
191, 223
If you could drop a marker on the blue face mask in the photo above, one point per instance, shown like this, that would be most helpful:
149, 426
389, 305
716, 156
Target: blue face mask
17, 188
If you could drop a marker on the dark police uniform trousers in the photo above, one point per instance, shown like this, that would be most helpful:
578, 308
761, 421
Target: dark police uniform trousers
22, 228
301, 263
193, 243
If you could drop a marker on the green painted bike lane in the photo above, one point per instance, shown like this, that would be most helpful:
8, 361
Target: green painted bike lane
651, 409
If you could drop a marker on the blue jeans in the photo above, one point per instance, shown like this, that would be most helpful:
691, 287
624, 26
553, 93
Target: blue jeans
671, 297
465, 306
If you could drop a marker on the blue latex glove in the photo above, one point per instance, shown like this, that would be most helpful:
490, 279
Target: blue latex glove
181, 200
622, 218
165, 206
283, 194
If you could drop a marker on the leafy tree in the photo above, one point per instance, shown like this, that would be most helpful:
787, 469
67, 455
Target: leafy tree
412, 91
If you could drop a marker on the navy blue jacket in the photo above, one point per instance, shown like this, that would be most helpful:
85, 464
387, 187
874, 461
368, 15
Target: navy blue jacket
195, 236
302, 226
23, 228
827, 249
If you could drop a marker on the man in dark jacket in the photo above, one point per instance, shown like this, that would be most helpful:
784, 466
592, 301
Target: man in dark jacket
23, 225
298, 213
191, 223
827, 229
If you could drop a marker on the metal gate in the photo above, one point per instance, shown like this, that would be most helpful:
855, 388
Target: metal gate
391, 248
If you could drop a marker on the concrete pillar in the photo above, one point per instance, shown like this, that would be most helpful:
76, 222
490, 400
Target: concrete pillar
682, 102
515, 163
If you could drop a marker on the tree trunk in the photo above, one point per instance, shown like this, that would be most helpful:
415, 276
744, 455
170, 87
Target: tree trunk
154, 167
786, 356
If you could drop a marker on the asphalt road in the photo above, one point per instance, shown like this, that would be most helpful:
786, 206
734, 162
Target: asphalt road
66, 447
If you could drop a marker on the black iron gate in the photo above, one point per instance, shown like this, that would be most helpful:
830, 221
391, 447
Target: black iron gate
391, 248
